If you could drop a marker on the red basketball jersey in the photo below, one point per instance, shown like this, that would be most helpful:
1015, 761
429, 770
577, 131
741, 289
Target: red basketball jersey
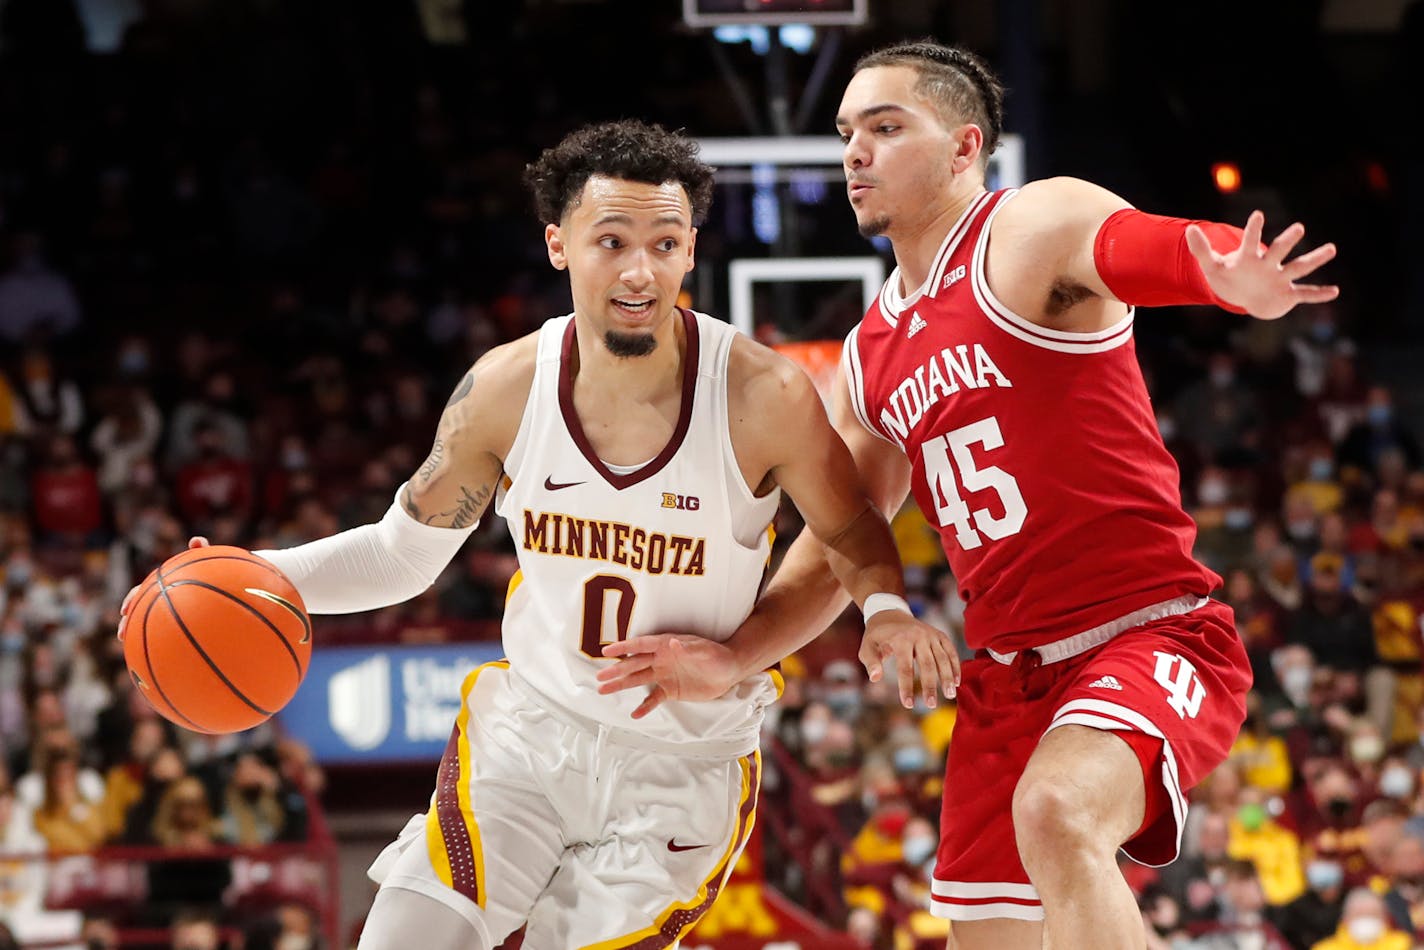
1035, 451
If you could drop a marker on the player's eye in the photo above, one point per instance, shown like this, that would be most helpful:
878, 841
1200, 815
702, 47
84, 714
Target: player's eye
667, 245
611, 243
887, 129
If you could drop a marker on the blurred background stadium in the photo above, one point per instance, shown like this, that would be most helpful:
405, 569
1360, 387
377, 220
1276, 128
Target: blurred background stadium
247, 247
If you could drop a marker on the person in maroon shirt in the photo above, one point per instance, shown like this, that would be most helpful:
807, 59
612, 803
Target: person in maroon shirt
216, 482
65, 495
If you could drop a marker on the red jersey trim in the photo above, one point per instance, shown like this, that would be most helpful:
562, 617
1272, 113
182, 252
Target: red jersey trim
891, 305
1021, 328
855, 383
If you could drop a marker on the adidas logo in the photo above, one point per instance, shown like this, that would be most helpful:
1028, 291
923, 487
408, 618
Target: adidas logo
917, 323
1106, 682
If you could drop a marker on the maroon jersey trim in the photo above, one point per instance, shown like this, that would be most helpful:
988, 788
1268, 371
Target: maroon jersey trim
690, 360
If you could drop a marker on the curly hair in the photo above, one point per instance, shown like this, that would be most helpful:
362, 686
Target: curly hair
959, 83
629, 150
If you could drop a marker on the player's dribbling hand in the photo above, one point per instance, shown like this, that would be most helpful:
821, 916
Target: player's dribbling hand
676, 666
1261, 282
915, 646
193, 542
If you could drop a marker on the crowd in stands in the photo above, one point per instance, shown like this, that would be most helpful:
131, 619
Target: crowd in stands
220, 315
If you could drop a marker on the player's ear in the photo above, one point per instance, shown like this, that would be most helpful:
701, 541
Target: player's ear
691, 250
554, 240
969, 142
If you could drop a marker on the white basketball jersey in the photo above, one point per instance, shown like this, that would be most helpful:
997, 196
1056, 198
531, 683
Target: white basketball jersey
677, 545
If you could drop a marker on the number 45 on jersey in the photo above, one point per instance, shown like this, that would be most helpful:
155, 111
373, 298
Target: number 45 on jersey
947, 454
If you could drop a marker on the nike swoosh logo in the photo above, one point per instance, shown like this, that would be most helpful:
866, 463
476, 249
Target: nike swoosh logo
551, 485
296, 611
675, 847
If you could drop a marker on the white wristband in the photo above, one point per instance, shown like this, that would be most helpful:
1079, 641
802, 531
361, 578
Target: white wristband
875, 603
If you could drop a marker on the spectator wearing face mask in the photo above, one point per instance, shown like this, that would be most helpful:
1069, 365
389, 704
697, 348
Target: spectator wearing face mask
1224, 519
875, 855
1244, 920
1191, 880
1405, 898
1340, 635
1396, 780
1364, 925
1380, 431
1273, 849
1314, 480
1315, 915
1216, 413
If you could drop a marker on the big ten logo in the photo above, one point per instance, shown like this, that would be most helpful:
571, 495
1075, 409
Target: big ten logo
681, 502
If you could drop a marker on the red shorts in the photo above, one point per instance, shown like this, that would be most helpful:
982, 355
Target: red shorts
1174, 689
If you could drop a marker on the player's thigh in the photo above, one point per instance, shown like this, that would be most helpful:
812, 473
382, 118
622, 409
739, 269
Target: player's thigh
1173, 693
493, 837
677, 831
401, 919
996, 934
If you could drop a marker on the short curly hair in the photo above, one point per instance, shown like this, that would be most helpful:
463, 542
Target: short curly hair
960, 84
629, 150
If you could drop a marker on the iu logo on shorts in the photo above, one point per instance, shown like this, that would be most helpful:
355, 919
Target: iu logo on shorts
1178, 677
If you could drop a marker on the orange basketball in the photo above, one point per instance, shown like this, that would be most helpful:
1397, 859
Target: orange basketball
217, 639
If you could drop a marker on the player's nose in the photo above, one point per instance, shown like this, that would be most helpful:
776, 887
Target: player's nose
856, 155
639, 272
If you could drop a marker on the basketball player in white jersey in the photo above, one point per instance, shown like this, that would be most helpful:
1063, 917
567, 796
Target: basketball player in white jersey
637, 452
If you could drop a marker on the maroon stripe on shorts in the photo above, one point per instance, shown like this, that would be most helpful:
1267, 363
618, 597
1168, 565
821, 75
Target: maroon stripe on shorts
452, 821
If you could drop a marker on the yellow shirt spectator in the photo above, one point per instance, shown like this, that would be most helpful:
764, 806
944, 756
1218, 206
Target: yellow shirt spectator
1264, 761
1275, 851
1389, 940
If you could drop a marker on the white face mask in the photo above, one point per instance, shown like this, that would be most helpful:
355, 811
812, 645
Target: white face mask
1365, 929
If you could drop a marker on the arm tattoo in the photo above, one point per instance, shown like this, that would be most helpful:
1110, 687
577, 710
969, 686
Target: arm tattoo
411, 507
467, 511
462, 390
437, 455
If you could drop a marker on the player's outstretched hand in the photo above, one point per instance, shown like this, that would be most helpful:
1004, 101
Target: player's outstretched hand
674, 665
1261, 282
193, 542
916, 647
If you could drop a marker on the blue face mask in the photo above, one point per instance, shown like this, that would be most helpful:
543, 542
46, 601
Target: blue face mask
12, 643
1321, 469
1380, 415
1323, 875
910, 758
1323, 332
844, 702
1239, 519
918, 849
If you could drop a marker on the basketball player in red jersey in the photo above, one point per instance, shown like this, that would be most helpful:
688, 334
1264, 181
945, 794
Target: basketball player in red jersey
996, 379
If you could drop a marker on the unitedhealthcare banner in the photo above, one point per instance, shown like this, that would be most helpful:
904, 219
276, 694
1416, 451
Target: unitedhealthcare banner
382, 703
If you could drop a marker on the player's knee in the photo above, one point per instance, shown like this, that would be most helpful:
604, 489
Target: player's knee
1056, 817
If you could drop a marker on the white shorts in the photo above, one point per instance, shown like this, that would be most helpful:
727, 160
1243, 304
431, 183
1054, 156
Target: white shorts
542, 821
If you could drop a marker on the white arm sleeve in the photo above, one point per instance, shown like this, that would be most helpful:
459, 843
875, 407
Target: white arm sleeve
372, 566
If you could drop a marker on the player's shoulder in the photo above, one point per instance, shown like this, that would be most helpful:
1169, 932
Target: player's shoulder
1042, 203
507, 370
763, 377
